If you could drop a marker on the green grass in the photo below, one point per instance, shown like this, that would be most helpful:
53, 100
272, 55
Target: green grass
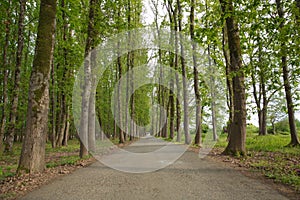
271, 143
9, 162
73, 146
270, 155
267, 143
64, 160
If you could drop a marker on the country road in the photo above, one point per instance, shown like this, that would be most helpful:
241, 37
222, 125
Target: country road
189, 177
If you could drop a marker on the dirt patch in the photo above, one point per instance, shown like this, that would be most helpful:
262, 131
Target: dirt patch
16, 186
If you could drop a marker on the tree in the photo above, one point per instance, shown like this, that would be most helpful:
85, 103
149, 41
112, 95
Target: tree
285, 73
5, 75
196, 76
14, 107
184, 75
229, 84
33, 150
276, 110
236, 144
84, 119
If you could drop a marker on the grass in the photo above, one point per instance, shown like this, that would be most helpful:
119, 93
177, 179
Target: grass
267, 143
271, 143
73, 146
270, 155
64, 160
65, 155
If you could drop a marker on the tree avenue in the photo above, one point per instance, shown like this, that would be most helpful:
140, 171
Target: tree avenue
250, 50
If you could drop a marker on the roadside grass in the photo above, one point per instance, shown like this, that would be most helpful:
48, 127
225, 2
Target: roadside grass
64, 155
270, 155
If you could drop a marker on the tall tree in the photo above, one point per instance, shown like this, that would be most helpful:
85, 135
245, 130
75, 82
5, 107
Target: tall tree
5, 74
285, 73
33, 150
237, 138
196, 76
16, 89
184, 75
171, 62
229, 85
84, 124
119, 72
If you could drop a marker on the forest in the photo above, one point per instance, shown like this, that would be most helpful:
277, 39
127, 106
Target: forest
49, 51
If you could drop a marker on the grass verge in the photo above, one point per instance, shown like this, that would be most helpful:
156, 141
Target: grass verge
270, 156
65, 155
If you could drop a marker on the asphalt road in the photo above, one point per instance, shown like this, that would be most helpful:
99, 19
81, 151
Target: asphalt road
189, 177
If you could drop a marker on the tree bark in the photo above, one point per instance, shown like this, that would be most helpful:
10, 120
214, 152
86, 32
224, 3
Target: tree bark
92, 106
213, 98
67, 129
228, 81
236, 144
285, 73
13, 114
184, 84
196, 76
171, 107
5, 76
178, 107
33, 150
119, 113
53, 107
87, 82
132, 100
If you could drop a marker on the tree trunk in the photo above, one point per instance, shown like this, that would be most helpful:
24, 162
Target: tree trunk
61, 125
273, 127
128, 68
171, 107
119, 113
263, 127
184, 84
5, 76
160, 87
285, 73
53, 107
83, 131
237, 138
132, 102
196, 76
13, 114
115, 111
228, 81
178, 107
92, 106
260, 95
67, 129
33, 150
213, 98
92, 121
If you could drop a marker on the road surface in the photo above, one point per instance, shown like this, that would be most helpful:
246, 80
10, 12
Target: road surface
189, 177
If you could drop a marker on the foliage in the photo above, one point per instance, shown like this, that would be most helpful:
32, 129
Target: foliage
282, 126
